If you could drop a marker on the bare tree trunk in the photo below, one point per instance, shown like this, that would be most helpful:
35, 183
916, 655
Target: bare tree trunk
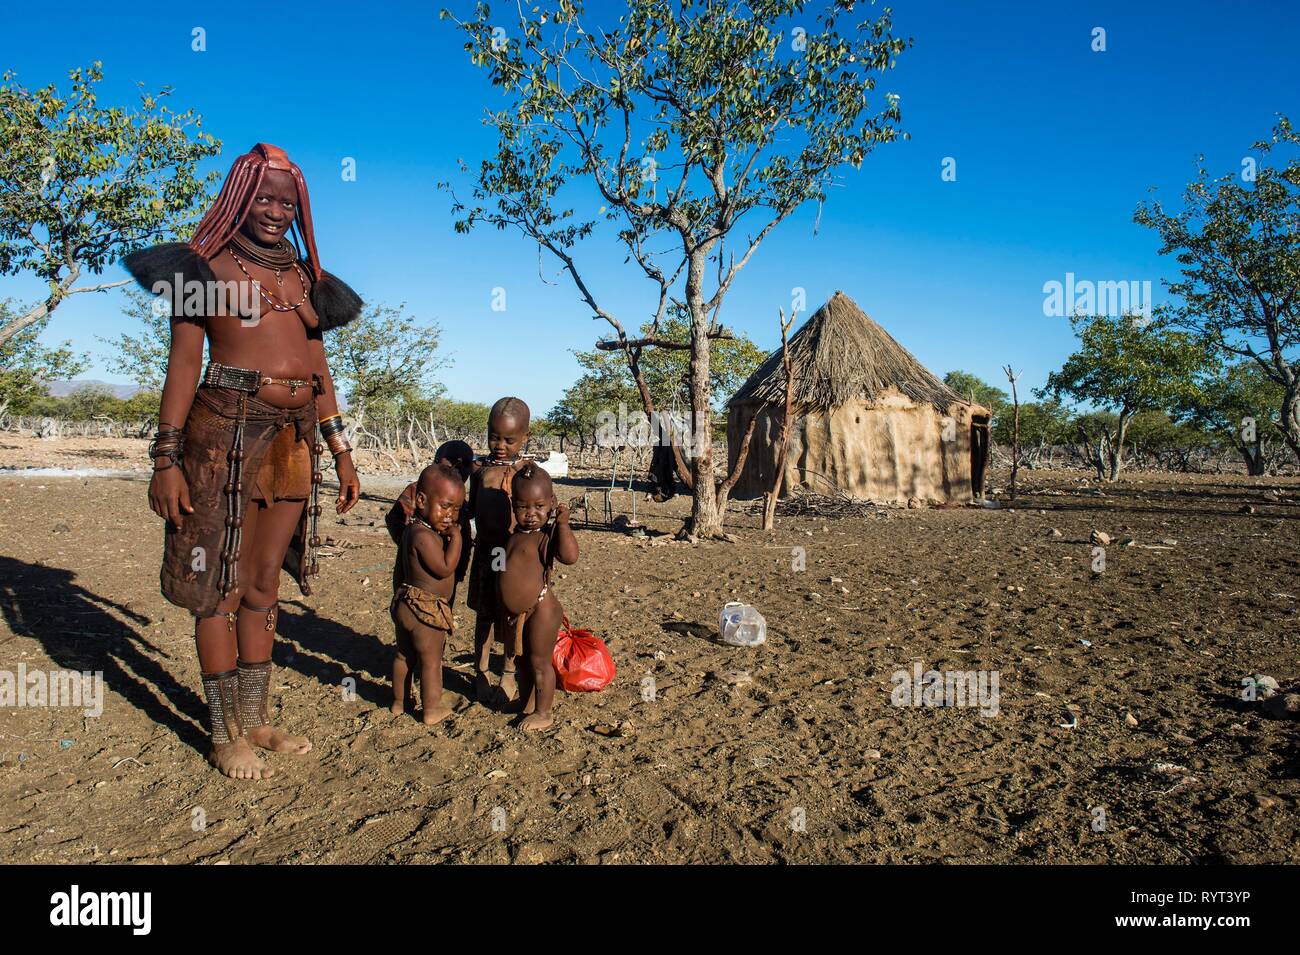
769, 505
705, 519
724, 489
1015, 429
1289, 419
410, 441
1253, 455
1116, 451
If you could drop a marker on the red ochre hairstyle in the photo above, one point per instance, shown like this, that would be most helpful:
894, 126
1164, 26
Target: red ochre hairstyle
237, 192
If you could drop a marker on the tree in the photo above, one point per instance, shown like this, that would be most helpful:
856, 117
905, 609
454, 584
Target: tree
1043, 425
1094, 436
1124, 365
977, 390
745, 122
81, 186
91, 400
1238, 402
27, 366
666, 370
462, 417
143, 357
142, 404
1237, 242
578, 413
608, 384
1165, 442
384, 359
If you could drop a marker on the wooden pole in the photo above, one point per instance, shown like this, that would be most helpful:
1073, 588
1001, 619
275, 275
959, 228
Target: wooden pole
769, 505
1015, 429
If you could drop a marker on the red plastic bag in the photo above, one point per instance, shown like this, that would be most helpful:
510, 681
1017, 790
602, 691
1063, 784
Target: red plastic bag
581, 660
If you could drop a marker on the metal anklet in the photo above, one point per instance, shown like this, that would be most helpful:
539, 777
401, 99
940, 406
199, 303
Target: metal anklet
222, 693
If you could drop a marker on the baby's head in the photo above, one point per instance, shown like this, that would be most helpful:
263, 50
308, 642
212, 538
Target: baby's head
507, 428
458, 454
439, 493
532, 496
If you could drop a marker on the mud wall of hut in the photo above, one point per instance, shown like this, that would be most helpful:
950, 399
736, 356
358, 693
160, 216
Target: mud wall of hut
887, 450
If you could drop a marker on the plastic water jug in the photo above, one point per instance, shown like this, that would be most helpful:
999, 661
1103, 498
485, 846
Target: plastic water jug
741, 625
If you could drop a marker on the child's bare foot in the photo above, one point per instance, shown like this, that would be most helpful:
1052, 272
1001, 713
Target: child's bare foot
237, 760
397, 707
436, 713
509, 685
535, 722
278, 741
484, 691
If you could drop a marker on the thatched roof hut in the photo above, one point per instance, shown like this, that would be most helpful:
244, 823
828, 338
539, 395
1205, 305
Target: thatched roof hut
869, 419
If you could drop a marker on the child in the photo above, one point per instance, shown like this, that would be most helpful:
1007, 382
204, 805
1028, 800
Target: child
460, 456
421, 607
525, 588
489, 506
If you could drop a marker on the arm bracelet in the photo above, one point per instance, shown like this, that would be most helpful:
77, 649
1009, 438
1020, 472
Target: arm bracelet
332, 430
167, 443
331, 426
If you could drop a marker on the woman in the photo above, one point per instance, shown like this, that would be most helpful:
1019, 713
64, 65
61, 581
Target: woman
236, 458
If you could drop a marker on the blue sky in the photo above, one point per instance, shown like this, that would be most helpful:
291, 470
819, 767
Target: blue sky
1054, 146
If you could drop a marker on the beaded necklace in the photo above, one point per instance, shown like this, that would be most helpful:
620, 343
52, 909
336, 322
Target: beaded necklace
276, 257
266, 296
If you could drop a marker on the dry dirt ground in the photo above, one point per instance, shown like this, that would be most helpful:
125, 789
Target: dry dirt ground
808, 761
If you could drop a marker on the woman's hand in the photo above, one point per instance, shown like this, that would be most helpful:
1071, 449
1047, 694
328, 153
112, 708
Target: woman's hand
349, 484
169, 495
407, 501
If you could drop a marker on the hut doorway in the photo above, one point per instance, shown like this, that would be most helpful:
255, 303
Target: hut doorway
979, 453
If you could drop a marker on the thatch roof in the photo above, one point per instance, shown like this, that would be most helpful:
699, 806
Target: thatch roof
839, 354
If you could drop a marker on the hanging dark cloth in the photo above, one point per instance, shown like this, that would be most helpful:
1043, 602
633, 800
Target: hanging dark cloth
663, 472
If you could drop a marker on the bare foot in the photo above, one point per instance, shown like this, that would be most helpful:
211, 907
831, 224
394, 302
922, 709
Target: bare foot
484, 691
535, 722
398, 707
435, 713
278, 741
509, 685
237, 760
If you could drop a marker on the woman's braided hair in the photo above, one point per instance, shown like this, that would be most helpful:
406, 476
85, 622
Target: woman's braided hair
237, 193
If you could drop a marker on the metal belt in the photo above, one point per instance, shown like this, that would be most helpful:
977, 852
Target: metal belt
247, 380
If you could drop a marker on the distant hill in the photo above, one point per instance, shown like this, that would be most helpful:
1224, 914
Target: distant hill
61, 389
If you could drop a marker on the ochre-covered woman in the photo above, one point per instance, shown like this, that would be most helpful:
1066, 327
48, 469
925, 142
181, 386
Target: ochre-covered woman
237, 457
